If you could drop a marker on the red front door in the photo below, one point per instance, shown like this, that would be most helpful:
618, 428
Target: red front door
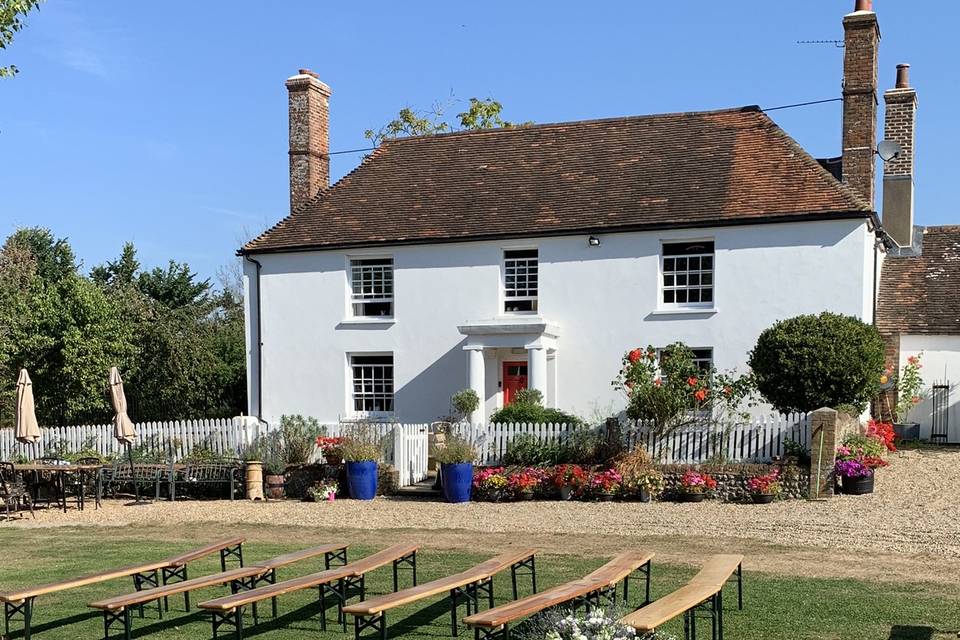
514, 379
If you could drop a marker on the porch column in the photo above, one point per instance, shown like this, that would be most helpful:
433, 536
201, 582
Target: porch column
476, 380
537, 369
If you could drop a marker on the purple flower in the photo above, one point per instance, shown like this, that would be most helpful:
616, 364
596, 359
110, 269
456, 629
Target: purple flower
852, 469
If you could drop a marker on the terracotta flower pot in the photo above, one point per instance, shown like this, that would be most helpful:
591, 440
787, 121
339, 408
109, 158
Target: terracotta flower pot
275, 486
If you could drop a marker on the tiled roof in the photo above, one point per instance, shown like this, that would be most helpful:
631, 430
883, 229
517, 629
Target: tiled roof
674, 170
921, 294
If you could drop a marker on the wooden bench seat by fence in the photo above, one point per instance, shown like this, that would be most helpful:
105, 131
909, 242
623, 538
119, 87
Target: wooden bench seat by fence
703, 592
118, 608
589, 590
339, 582
464, 587
150, 574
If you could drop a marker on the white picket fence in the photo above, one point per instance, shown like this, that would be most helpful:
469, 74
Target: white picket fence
760, 440
406, 446
224, 436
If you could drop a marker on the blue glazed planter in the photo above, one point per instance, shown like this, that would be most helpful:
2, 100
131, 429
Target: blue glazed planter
457, 481
362, 479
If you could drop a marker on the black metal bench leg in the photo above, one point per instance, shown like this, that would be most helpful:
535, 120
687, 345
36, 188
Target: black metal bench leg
720, 614
25, 609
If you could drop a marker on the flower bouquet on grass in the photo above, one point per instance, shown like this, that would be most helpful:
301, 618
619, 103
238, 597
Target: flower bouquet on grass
766, 488
570, 480
606, 484
695, 486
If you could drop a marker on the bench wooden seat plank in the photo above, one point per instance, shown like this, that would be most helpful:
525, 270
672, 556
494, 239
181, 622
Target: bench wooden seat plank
228, 609
174, 588
704, 590
474, 574
20, 602
676, 603
303, 554
603, 578
196, 554
82, 581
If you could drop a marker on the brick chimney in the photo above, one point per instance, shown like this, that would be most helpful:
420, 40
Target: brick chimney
898, 127
861, 42
309, 104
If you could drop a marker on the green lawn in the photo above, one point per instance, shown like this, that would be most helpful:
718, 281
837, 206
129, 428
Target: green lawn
775, 607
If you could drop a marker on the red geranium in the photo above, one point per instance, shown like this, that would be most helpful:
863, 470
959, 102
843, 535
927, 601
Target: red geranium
692, 381
634, 356
884, 432
700, 395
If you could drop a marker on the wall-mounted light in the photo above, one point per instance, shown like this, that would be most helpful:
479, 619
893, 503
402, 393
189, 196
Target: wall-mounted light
593, 241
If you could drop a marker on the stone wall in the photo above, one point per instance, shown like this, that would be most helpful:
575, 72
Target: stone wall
301, 477
732, 480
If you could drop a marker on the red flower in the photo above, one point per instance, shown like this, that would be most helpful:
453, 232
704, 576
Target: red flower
700, 395
913, 359
692, 381
727, 391
657, 382
634, 356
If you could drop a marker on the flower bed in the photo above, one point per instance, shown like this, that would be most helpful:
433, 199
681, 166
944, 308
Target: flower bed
729, 483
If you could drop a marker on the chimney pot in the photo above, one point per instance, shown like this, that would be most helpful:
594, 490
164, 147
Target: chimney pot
903, 76
863, 5
308, 72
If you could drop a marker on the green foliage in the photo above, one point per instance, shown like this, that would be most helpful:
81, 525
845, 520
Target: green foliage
361, 443
299, 436
581, 446
455, 451
12, 13
909, 385
179, 347
808, 362
464, 402
481, 114
527, 407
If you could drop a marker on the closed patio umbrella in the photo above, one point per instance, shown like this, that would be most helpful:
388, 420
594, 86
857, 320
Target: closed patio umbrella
28, 431
123, 429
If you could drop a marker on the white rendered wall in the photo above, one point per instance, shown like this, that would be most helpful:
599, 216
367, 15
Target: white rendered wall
604, 300
941, 362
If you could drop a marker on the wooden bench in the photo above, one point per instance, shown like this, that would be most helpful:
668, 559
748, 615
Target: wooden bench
464, 587
117, 609
148, 574
703, 592
590, 590
340, 583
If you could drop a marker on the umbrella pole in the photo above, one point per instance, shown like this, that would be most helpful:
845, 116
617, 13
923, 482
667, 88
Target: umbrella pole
133, 476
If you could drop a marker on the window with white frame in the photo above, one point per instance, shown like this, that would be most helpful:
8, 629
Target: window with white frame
372, 383
371, 287
702, 358
520, 280
687, 269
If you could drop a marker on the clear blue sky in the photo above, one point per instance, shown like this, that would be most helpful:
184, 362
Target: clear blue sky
165, 122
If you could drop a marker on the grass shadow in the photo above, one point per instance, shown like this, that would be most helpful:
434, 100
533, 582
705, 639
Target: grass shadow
904, 632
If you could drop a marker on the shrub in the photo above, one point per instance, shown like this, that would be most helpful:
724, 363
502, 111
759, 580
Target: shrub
580, 446
297, 438
361, 444
456, 450
528, 407
463, 403
808, 362
909, 384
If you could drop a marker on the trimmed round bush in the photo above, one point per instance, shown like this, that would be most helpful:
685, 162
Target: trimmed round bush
808, 362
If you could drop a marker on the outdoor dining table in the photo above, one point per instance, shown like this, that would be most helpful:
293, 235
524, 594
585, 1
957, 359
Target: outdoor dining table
61, 471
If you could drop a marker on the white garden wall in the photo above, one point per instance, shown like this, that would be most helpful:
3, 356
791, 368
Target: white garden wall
603, 299
941, 363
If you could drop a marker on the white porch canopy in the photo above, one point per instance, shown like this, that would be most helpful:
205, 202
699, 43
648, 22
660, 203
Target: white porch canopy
533, 333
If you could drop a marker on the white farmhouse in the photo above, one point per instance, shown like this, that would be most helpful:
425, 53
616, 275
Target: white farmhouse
536, 256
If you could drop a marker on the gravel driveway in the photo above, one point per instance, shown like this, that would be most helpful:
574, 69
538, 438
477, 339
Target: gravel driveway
915, 510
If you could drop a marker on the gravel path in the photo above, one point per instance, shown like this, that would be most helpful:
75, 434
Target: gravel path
915, 510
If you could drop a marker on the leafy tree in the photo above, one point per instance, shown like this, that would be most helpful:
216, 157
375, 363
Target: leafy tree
119, 272
176, 286
481, 114
808, 362
179, 346
12, 13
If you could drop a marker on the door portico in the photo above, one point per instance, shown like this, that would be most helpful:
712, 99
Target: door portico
500, 340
